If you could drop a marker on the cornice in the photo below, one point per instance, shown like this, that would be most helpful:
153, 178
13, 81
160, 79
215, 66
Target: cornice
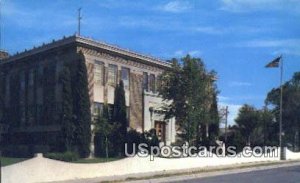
87, 42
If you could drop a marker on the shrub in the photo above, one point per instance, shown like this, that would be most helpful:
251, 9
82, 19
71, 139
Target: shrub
133, 137
17, 151
66, 156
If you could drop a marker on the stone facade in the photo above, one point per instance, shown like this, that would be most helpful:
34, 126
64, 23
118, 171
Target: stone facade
35, 73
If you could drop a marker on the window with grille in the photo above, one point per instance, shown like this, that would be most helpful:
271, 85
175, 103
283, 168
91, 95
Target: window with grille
112, 74
99, 73
145, 81
152, 82
125, 77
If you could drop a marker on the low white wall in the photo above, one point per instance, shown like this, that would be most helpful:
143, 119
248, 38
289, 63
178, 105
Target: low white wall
292, 155
41, 169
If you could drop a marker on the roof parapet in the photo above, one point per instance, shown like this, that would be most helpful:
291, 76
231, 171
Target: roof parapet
80, 39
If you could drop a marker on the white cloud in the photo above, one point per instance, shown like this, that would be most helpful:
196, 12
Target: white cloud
223, 98
295, 52
214, 30
209, 30
179, 53
239, 83
195, 53
182, 53
281, 46
23, 17
271, 43
134, 22
121, 4
255, 5
176, 6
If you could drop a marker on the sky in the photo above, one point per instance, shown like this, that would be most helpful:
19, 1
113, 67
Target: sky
236, 38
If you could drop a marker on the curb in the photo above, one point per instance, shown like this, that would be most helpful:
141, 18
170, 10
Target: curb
213, 171
186, 174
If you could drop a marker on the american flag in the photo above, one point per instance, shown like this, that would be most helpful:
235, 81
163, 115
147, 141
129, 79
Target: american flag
274, 63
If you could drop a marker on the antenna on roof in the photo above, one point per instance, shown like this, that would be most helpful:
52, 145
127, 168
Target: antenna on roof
0, 24
79, 20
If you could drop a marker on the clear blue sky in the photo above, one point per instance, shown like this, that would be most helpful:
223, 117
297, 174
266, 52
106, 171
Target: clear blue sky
234, 37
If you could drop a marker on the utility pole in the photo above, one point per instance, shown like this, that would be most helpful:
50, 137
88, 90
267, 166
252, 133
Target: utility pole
226, 122
223, 113
79, 21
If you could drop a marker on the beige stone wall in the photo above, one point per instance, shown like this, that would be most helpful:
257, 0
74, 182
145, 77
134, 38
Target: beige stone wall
105, 93
136, 102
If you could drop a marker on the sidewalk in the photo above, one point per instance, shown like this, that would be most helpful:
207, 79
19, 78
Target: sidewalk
169, 176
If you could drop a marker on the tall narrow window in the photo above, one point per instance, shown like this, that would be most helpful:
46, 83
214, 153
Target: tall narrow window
99, 68
40, 75
125, 77
7, 90
145, 81
98, 109
112, 74
31, 78
152, 82
22, 98
158, 83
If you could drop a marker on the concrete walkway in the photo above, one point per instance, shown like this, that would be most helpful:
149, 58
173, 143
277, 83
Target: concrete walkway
40, 169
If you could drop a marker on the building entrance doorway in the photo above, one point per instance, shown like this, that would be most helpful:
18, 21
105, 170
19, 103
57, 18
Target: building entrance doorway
160, 127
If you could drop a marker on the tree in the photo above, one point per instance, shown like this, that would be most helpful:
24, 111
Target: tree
291, 109
68, 126
48, 85
270, 127
81, 108
103, 128
119, 111
214, 118
189, 86
120, 118
247, 122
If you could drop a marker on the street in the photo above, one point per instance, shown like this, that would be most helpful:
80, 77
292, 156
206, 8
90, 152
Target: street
277, 175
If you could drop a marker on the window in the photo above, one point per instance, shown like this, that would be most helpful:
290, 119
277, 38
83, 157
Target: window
125, 77
98, 108
145, 81
152, 82
158, 83
99, 67
110, 111
31, 78
22, 81
40, 74
112, 74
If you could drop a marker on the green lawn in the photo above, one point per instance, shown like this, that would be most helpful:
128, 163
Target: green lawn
8, 161
96, 160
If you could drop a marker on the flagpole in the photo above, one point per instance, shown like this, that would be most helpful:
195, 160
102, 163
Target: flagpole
282, 157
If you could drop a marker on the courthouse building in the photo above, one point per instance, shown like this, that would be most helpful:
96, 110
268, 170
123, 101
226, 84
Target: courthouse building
25, 75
